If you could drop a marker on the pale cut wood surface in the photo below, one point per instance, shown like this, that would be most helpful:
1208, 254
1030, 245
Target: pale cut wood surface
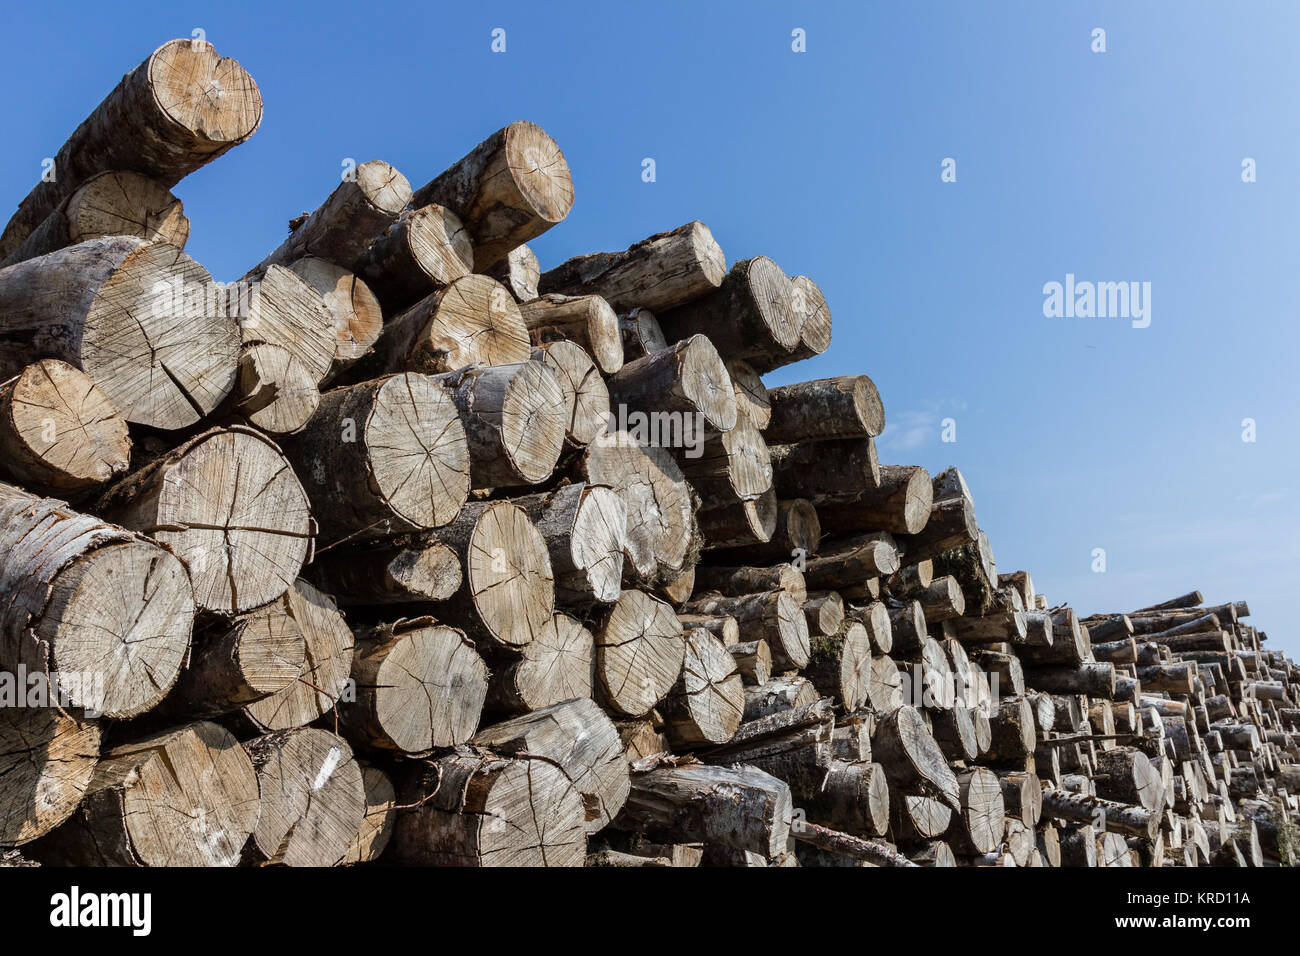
46, 761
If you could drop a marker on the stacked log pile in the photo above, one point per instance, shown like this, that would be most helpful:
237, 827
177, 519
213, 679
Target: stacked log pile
404, 549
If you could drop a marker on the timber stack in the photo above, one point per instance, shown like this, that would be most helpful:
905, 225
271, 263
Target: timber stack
405, 549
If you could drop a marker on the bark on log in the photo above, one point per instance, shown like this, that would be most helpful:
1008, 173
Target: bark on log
730, 466
844, 407
839, 665
900, 504
824, 612
239, 662
753, 659
117, 203
751, 393
108, 610
586, 320
228, 504
687, 378
510, 188
313, 798
978, 826
772, 616
582, 741
794, 536
739, 807
376, 827
422, 251
815, 329
467, 810
911, 758
749, 316
739, 525
59, 431
343, 226
139, 318
825, 470
739, 582
778, 695
152, 802
161, 120
1109, 815
665, 270
585, 529
419, 685
848, 562
642, 334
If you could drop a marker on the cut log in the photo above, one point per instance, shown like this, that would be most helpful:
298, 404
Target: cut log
875, 618
472, 320
239, 662
514, 419
659, 511
58, 431
707, 703
844, 407
582, 742
1023, 795
979, 825
586, 397
360, 208
639, 654
815, 329
328, 662
1096, 679
1106, 815
1014, 733
162, 120
273, 390
422, 251
848, 562
509, 593
666, 270
740, 525
585, 528
377, 824
137, 317
518, 272
687, 382
885, 689
106, 612
954, 731
900, 505
825, 470
586, 320
951, 525
46, 761
1126, 775
118, 203
510, 188
184, 797
824, 612
382, 573
228, 504
419, 685
854, 798
738, 582
739, 807
313, 798
641, 334
911, 758
839, 665
751, 393
778, 695
555, 666
753, 658
942, 600
914, 818
749, 316
794, 536
730, 466
772, 616
465, 810
283, 309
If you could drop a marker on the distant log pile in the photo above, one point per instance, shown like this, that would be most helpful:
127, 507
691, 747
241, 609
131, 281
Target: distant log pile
405, 549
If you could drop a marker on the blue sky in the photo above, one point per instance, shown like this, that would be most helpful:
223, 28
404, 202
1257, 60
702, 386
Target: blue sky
1074, 433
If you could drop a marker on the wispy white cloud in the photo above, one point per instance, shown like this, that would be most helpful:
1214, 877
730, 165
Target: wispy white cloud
911, 430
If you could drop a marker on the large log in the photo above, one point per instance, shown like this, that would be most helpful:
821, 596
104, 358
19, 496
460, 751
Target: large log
117, 203
519, 272
514, 418
510, 188
639, 653
586, 320
228, 504
283, 309
586, 397
684, 380
771, 616
979, 825
1107, 815
739, 807
825, 470
707, 702
839, 665
162, 120
902, 744
141, 319
105, 612
469, 810
59, 431
848, 562
660, 514
749, 316
472, 320
383, 457
666, 270
153, 802
585, 528
555, 666
423, 250
419, 686
794, 536
844, 407
361, 207
815, 328
900, 504
582, 741
47, 758
313, 798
